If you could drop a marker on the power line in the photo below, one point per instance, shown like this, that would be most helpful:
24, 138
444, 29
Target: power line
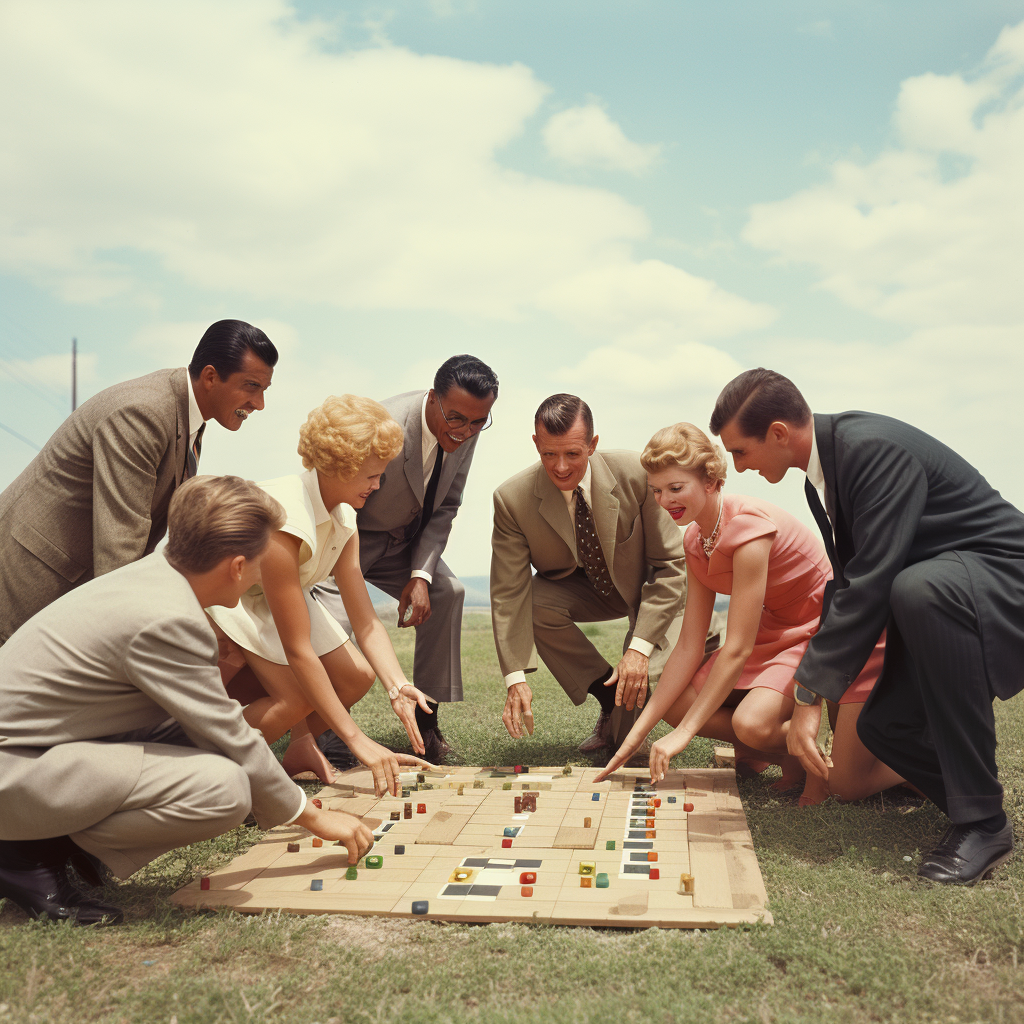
20, 437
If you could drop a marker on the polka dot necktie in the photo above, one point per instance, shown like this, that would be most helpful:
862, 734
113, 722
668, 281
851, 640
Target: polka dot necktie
192, 455
589, 548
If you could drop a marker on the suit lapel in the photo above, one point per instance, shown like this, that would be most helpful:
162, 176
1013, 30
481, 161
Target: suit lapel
553, 508
824, 437
605, 506
413, 450
180, 388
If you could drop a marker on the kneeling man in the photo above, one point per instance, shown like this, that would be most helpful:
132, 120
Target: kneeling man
117, 739
603, 549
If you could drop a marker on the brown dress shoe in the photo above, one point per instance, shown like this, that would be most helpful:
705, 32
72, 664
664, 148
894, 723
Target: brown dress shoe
601, 737
435, 747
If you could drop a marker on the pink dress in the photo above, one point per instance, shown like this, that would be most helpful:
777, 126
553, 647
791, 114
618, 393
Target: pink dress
798, 569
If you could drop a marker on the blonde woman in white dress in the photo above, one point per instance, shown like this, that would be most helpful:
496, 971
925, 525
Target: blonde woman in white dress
305, 674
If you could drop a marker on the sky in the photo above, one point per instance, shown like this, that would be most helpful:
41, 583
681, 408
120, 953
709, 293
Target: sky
632, 201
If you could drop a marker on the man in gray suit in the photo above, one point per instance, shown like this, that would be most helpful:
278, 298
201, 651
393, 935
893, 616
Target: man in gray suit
404, 528
86, 688
95, 498
922, 546
602, 549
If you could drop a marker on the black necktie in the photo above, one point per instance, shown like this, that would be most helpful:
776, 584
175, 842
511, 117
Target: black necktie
825, 526
192, 455
589, 548
431, 493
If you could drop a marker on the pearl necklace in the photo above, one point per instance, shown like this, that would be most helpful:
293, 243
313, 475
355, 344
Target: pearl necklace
709, 544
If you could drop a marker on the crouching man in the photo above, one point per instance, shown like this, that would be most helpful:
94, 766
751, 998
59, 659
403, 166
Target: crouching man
117, 739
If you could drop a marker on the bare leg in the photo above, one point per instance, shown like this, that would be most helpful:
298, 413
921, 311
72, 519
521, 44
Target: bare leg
761, 721
857, 773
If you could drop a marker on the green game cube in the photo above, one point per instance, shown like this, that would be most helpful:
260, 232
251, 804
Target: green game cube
610, 844
352, 874
506, 785
602, 881
375, 861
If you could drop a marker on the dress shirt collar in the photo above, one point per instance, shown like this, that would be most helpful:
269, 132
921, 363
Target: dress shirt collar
320, 512
814, 471
195, 417
584, 485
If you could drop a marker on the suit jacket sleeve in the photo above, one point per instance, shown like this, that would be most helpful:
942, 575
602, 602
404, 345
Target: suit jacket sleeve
128, 446
174, 662
434, 538
662, 595
511, 593
882, 490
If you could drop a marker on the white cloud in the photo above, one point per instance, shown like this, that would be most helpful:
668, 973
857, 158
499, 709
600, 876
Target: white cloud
931, 232
588, 137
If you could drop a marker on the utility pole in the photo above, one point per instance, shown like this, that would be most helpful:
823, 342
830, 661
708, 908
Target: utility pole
74, 374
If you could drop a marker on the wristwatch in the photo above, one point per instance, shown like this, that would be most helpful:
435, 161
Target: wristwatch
394, 692
804, 697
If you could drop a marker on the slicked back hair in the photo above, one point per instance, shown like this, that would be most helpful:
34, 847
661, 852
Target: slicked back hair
755, 400
468, 373
559, 413
224, 345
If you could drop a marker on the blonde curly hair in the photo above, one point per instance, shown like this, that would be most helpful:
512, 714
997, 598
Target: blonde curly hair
339, 436
687, 447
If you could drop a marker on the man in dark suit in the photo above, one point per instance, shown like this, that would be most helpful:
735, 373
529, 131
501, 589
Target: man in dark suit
404, 528
95, 498
922, 546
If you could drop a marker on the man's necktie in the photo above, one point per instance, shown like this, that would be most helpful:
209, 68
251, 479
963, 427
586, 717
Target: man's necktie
825, 526
431, 492
589, 548
192, 455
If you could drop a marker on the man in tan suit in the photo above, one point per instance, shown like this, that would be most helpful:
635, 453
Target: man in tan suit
602, 549
93, 772
95, 498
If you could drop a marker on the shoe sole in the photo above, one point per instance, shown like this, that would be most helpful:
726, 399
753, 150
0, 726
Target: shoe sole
984, 876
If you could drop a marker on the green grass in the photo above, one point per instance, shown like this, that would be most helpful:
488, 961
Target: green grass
856, 938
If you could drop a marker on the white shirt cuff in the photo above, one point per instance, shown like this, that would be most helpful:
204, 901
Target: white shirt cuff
302, 807
514, 677
419, 574
641, 646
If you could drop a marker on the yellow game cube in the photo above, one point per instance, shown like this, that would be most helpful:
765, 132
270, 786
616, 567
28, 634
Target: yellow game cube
588, 867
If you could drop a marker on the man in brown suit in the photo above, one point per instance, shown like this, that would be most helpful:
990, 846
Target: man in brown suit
602, 549
95, 498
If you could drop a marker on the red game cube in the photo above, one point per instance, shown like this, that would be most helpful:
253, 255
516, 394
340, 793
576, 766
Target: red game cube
204, 883
518, 769
421, 808
506, 844
528, 878
687, 807
655, 874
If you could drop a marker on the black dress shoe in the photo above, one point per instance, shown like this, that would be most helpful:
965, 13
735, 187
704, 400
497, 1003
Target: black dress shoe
435, 747
48, 893
334, 748
91, 870
965, 854
601, 737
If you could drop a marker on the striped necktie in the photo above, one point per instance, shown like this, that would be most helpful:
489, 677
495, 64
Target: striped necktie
589, 548
192, 455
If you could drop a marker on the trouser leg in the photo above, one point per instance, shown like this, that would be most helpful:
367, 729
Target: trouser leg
930, 718
437, 661
182, 795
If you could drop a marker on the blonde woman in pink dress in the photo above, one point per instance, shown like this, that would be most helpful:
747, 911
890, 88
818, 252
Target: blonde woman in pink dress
774, 570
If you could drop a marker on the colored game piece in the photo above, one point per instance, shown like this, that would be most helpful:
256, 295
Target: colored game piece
687, 807
586, 882
650, 834
399, 850
421, 777
461, 788
567, 770
407, 813
596, 796
651, 856
586, 823
525, 769
609, 844
528, 878
293, 847
317, 841
686, 883
506, 844
352, 874
587, 867
460, 875
506, 785
602, 881
655, 874
657, 803
375, 861
518, 769
421, 808
316, 885
527, 890
420, 906
519, 805
204, 883
511, 830
396, 815
317, 802
650, 823
477, 784
671, 799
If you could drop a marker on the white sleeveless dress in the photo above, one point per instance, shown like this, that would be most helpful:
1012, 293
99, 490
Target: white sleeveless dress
323, 534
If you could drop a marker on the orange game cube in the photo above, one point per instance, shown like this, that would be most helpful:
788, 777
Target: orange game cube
586, 882
651, 857
527, 890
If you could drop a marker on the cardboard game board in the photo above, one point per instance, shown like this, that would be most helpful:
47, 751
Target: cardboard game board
622, 853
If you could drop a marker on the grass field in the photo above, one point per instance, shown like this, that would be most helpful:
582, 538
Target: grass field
857, 937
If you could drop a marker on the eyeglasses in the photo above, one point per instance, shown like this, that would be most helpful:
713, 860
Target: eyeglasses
459, 422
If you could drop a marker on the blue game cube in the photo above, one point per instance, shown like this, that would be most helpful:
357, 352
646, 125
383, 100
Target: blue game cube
596, 796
